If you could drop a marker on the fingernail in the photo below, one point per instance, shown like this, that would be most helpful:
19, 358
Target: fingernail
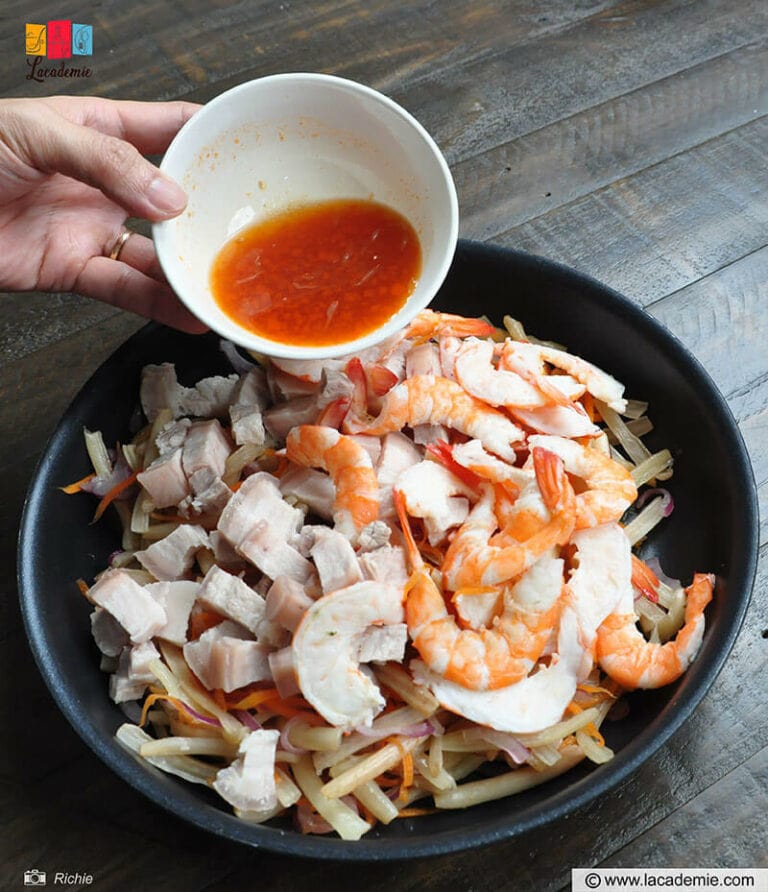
167, 197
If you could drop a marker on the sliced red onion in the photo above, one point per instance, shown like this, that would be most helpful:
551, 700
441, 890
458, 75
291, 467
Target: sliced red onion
364, 731
655, 564
209, 720
422, 729
508, 743
100, 486
114, 554
500, 740
285, 742
247, 719
437, 728
238, 362
667, 505
310, 821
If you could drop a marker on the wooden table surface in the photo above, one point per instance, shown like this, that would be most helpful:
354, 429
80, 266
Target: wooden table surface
626, 139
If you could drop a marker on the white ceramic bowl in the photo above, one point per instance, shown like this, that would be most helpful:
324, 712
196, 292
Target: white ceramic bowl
289, 139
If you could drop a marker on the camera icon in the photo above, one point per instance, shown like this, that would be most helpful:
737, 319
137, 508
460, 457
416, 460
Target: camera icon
34, 878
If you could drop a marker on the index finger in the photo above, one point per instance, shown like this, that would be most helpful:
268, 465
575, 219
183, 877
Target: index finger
149, 126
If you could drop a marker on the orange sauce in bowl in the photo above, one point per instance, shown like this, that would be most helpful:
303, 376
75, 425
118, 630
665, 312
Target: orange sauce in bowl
318, 275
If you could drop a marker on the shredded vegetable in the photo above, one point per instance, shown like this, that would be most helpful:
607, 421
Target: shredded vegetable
309, 600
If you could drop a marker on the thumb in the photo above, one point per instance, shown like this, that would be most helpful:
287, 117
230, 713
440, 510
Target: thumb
109, 164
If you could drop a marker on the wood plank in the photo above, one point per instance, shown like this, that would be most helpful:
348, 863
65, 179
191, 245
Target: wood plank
529, 176
749, 409
693, 835
38, 385
667, 226
33, 321
721, 317
381, 43
475, 107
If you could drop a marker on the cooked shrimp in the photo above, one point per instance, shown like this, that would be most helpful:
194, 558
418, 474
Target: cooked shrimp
471, 559
482, 659
610, 488
475, 371
429, 324
600, 582
532, 704
520, 507
625, 655
600, 384
556, 413
432, 493
357, 490
325, 651
425, 399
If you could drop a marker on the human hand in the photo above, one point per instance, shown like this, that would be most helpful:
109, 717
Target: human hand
71, 172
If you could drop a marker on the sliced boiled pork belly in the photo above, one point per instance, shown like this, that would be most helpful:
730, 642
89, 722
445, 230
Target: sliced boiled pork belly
263, 528
129, 603
231, 597
109, 635
133, 673
398, 453
249, 400
386, 564
382, 643
172, 436
160, 389
209, 494
225, 658
176, 598
164, 480
286, 602
172, 557
312, 488
334, 558
248, 783
206, 446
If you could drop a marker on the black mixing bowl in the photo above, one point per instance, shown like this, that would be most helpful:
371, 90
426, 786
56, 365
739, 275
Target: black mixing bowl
713, 528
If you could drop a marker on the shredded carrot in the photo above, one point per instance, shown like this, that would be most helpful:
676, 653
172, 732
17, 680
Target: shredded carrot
290, 712
588, 401
184, 714
383, 781
218, 698
77, 485
407, 767
591, 729
200, 621
415, 812
594, 689
574, 708
254, 699
83, 586
113, 494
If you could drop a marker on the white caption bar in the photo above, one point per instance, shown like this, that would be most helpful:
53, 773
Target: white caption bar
640, 878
